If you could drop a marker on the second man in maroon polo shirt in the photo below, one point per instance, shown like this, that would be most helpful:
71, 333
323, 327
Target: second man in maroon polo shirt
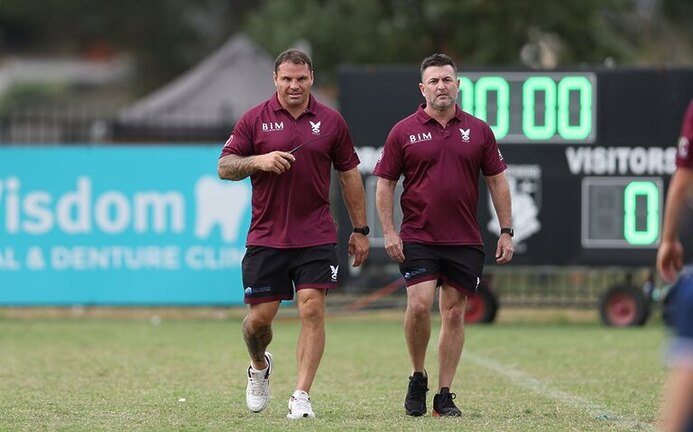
440, 150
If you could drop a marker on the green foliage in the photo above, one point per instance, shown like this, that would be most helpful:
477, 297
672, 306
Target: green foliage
167, 37
476, 33
189, 374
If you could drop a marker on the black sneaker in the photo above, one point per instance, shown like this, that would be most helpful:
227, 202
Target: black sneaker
443, 406
415, 402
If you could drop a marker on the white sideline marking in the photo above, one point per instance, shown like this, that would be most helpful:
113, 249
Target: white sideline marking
523, 379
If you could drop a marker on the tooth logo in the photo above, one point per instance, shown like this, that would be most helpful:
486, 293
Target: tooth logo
220, 203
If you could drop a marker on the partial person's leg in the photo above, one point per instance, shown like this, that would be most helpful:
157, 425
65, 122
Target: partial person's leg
311, 340
417, 330
417, 322
257, 331
452, 305
309, 350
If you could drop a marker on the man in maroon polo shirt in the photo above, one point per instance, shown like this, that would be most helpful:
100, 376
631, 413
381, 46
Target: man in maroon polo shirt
440, 150
288, 145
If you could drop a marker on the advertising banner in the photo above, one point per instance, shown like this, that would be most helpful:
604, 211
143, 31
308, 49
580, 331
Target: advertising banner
120, 226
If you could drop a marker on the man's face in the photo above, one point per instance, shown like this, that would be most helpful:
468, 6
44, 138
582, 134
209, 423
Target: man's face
293, 83
440, 87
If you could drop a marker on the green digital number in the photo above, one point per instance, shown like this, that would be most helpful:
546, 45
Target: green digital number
556, 106
502, 89
529, 91
584, 127
631, 233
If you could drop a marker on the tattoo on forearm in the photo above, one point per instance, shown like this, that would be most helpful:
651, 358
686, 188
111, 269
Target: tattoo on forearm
257, 340
237, 168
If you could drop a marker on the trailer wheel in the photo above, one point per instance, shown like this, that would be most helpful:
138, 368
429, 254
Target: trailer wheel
624, 306
482, 307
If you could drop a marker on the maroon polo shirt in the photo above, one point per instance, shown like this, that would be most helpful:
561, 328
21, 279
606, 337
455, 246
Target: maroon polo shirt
293, 209
684, 155
441, 167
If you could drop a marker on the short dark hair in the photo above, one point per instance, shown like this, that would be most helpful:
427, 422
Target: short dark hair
437, 60
294, 56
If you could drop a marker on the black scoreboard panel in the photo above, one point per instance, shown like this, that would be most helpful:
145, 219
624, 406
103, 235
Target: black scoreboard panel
589, 152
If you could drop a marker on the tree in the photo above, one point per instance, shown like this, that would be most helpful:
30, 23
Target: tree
475, 32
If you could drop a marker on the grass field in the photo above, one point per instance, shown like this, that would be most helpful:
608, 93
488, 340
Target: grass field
187, 372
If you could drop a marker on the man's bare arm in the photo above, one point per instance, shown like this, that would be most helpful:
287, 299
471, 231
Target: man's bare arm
499, 189
500, 196
355, 201
233, 167
385, 204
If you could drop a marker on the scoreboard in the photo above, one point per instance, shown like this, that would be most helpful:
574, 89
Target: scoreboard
533, 108
589, 152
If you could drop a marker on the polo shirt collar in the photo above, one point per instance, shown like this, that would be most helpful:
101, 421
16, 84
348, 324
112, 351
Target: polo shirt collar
425, 118
276, 106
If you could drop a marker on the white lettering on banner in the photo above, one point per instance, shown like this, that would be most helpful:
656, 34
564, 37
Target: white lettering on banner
12, 205
8, 260
86, 258
113, 211
115, 258
621, 160
40, 218
35, 259
159, 203
199, 258
77, 203
218, 204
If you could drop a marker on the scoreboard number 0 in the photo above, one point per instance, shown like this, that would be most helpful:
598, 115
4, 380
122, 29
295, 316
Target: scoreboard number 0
621, 212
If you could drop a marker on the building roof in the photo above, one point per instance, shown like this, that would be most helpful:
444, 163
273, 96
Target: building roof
215, 92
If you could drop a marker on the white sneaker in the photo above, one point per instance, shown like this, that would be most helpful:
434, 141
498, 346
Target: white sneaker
257, 392
299, 406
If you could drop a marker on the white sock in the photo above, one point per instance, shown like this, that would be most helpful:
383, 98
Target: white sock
259, 370
300, 394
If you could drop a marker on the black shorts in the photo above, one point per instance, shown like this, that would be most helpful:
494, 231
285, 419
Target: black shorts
458, 266
270, 274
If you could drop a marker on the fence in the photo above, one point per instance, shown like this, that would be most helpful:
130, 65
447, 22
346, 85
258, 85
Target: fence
95, 124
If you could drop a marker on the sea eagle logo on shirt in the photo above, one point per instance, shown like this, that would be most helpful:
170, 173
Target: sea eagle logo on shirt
500, 155
272, 126
465, 134
420, 137
334, 270
315, 127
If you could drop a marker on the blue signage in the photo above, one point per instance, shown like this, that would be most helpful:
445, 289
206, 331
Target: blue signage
120, 226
